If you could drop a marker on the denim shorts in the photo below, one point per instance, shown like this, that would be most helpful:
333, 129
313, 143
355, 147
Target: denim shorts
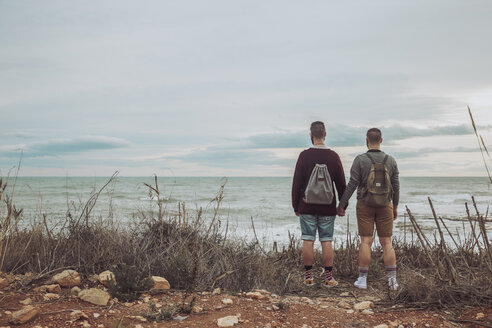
311, 223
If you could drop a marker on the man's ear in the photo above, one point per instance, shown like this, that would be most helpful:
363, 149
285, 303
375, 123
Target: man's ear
324, 135
381, 141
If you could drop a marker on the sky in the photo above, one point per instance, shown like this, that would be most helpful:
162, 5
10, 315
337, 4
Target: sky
229, 88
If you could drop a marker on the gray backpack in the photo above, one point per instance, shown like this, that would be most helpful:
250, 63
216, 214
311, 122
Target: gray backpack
319, 189
378, 190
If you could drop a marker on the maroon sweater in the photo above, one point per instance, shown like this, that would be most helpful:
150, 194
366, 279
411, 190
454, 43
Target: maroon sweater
305, 165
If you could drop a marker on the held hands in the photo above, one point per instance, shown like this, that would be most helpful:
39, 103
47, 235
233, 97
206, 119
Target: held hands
340, 211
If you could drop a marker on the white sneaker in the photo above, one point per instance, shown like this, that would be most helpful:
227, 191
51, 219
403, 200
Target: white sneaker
392, 283
361, 282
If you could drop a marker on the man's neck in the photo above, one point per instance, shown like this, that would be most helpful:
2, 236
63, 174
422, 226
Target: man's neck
374, 147
318, 143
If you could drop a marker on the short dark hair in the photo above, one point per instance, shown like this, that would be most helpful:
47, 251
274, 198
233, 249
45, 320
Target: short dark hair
374, 135
318, 129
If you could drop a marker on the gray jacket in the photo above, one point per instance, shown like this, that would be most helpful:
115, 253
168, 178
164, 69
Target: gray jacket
360, 171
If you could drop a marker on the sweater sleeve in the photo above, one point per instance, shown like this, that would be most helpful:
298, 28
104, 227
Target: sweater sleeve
355, 177
297, 184
339, 180
395, 183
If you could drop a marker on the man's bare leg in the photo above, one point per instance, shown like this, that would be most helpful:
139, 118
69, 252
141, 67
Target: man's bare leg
364, 261
389, 258
308, 259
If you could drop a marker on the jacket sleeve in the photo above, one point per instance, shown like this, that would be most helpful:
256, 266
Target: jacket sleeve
355, 177
297, 184
339, 180
395, 183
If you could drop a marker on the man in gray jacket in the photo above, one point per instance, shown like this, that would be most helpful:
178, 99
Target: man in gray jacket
368, 216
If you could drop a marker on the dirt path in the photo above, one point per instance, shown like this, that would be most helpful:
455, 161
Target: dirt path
323, 308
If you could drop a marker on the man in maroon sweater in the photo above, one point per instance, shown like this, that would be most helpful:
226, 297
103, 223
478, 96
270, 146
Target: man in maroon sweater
317, 217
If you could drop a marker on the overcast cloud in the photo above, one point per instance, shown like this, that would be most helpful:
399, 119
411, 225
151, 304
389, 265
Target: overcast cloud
230, 87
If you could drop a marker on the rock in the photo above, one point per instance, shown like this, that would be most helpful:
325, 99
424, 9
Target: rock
85, 324
196, 309
105, 276
307, 300
24, 315
50, 296
75, 291
94, 296
363, 305
55, 288
227, 301
93, 278
262, 291
160, 283
96, 315
78, 315
345, 294
479, 316
179, 318
255, 295
67, 278
344, 305
367, 311
350, 311
3, 283
216, 291
228, 321
27, 301
139, 326
383, 325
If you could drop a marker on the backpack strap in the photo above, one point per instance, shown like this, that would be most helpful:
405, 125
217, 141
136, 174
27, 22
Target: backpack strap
370, 157
385, 159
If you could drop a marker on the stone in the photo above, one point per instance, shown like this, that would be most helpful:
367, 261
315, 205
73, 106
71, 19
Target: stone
24, 315
255, 295
216, 291
93, 278
363, 305
160, 283
262, 291
50, 296
228, 321
196, 309
139, 326
345, 294
94, 296
344, 305
227, 301
383, 325
367, 311
55, 288
75, 291
78, 315
67, 278
96, 315
350, 311
105, 276
3, 283
479, 316
27, 301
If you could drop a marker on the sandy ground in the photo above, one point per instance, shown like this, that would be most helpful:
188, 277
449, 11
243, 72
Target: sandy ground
313, 307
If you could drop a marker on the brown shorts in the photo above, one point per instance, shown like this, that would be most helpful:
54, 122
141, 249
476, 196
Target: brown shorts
367, 216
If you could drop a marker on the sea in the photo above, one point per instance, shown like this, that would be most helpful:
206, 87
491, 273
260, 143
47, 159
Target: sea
250, 207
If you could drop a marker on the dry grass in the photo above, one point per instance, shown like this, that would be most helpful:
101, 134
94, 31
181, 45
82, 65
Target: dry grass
195, 253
